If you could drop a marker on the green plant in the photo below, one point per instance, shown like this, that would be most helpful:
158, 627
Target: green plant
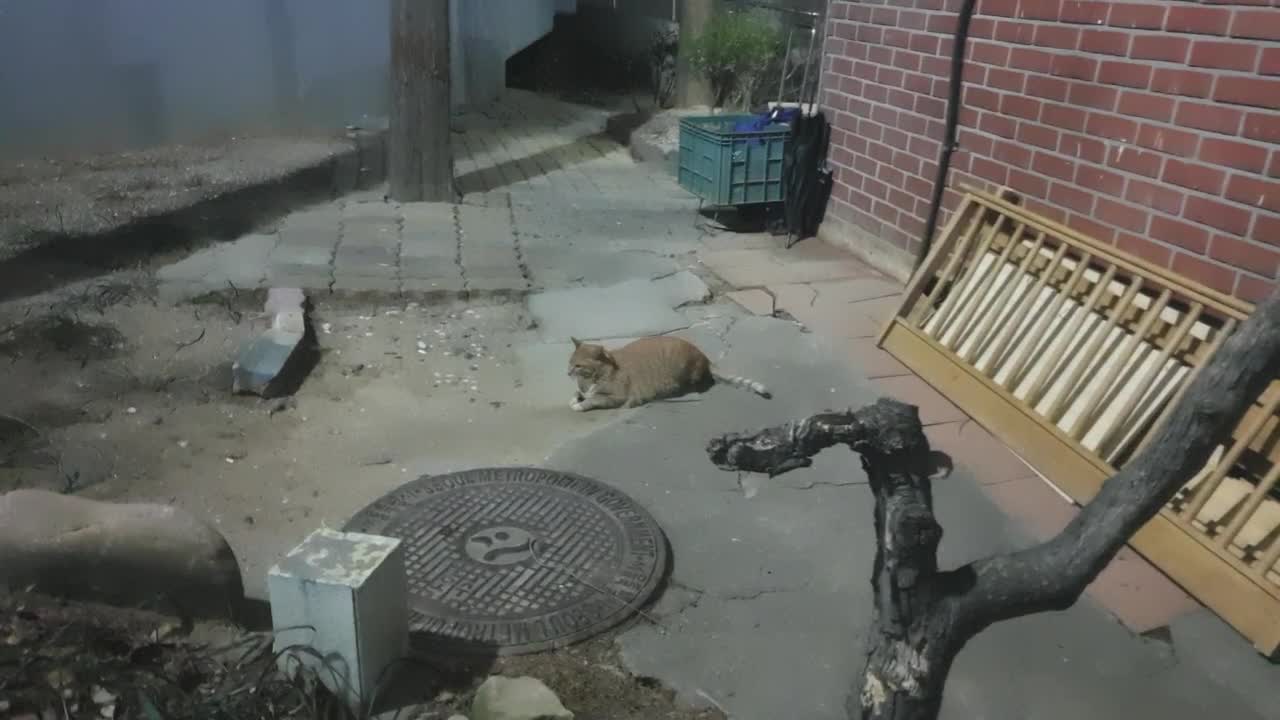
735, 53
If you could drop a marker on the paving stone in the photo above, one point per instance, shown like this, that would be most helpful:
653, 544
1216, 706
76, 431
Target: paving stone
321, 236
757, 302
370, 235
301, 256
429, 267
428, 249
869, 360
1040, 510
378, 211
450, 285
934, 408
1138, 594
743, 268
739, 241
496, 283
365, 283
811, 271
856, 289
300, 279
826, 318
880, 310
970, 445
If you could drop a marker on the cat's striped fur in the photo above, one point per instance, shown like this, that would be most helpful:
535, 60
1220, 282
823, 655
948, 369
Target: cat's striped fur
648, 369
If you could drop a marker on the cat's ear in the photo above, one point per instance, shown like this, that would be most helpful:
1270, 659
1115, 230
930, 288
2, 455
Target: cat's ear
576, 341
608, 357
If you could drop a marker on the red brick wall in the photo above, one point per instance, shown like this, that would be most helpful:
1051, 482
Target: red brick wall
1154, 126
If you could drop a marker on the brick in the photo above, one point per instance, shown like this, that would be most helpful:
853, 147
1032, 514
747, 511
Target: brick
1258, 92
989, 54
1019, 106
1038, 135
1019, 33
981, 98
1122, 215
945, 24
1072, 197
1052, 212
1213, 118
1033, 60
1193, 176
1254, 192
922, 43
1136, 16
1181, 82
1217, 214
1143, 248
1104, 42
1064, 116
1198, 20
1084, 12
1270, 64
1012, 154
1094, 96
1053, 166
884, 16
1262, 126
1056, 36
1254, 257
896, 38
1047, 87
1252, 289
912, 20
1176, 232
1028, 184
1100, 180
1077, 67
1112, 127
1204, 272
1084, 149
930, 106
1154, 196
989, 170
1146, 105
1160, 47
1134, 75
1224, 55
1135, 161
1092, 228
1007, 80
1267, 229
1230, 153
1040, 9
1168, 140
1259, 24
891, 77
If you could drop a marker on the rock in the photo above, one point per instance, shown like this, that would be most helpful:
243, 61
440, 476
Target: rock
273, 363
125, 554
522, 698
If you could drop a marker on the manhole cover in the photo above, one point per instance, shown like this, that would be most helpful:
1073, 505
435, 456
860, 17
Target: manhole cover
516, 560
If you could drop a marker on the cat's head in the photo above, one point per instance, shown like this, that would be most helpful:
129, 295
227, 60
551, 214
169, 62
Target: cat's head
590, 362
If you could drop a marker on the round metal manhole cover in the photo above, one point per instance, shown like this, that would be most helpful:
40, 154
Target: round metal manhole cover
517, 560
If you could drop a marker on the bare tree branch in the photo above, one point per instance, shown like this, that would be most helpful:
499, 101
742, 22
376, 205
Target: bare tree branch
923, 617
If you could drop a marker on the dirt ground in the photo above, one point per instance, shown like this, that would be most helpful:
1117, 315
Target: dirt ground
106, 393
81, 660
79, 195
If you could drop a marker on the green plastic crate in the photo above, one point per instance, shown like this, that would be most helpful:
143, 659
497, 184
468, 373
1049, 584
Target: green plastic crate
724, 167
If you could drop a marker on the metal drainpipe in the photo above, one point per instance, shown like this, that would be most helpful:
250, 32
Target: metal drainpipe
949, 136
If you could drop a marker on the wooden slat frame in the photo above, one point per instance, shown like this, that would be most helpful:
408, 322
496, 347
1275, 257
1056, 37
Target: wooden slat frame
939, 303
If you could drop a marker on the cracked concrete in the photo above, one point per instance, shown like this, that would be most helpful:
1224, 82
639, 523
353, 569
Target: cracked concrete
769, 598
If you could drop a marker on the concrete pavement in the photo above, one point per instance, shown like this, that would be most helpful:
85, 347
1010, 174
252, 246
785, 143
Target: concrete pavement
770, 590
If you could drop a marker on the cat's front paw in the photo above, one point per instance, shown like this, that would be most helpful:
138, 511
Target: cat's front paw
578, 405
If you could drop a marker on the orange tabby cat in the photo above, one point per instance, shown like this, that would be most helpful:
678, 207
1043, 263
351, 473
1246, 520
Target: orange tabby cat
648, 369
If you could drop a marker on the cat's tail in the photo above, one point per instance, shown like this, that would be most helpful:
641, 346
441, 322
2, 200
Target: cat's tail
739, 381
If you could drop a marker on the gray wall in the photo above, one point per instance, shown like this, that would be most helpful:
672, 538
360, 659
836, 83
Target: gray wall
90, 74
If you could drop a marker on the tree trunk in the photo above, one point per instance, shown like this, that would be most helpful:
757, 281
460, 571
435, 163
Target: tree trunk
924, 617
420, 163
691, 88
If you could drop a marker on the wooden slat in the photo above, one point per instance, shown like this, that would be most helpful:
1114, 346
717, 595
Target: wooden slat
1191, 290
915, 288
1245, 604
1221, 337
1050, 314
1242, 442
1042, 383
1148, 381
1245, 512
1098, 336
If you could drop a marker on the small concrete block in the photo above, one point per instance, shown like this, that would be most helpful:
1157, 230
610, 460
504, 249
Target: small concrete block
346, 596
372, 235
270, 355
757, 302
934, 408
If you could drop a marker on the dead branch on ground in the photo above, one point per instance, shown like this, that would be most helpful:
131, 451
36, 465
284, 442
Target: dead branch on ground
923, 616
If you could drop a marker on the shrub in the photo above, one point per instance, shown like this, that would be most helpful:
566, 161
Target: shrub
735, 53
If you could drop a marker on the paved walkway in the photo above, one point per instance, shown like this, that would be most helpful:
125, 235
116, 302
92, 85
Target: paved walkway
769, 596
